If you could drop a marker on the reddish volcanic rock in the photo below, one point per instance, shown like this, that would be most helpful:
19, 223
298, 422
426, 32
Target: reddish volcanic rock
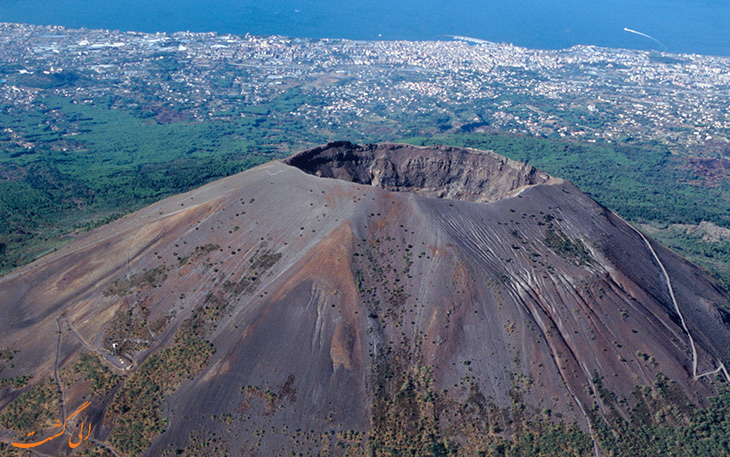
325, 281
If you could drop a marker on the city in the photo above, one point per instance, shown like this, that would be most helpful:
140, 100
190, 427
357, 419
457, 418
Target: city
379, 90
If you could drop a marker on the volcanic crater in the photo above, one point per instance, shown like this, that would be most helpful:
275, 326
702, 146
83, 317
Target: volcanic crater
435, 172
425, 298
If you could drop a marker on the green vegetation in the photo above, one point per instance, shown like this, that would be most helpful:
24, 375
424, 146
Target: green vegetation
378, 278
410, 418
7, 450
573, 251
201, 446
95, 451
199, 252
35, 409
404, 412
665, 423
17, 382
660, 58
712, 255
358, 280
67, 166
90, 368
7, 354
137, 407
42, 80
130, 330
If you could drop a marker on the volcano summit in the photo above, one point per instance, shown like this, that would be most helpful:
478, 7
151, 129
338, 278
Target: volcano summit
376, 299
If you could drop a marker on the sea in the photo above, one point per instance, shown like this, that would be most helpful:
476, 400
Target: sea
674, 26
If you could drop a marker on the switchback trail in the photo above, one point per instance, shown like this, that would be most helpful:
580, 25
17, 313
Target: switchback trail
115, 361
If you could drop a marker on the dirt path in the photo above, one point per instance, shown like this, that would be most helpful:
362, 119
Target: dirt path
115, 361
107, 356
668, 281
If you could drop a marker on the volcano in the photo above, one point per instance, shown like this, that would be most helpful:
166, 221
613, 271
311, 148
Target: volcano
384, 299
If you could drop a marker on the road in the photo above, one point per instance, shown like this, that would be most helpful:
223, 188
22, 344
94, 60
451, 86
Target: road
114, 360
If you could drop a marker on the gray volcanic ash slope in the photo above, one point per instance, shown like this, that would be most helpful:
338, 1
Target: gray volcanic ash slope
383, 298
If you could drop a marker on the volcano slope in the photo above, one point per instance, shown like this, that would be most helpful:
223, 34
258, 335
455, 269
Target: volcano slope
384, 299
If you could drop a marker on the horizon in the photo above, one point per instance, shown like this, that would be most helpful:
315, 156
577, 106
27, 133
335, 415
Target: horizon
661, 25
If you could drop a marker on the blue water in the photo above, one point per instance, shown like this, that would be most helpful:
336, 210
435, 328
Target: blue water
682, 26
